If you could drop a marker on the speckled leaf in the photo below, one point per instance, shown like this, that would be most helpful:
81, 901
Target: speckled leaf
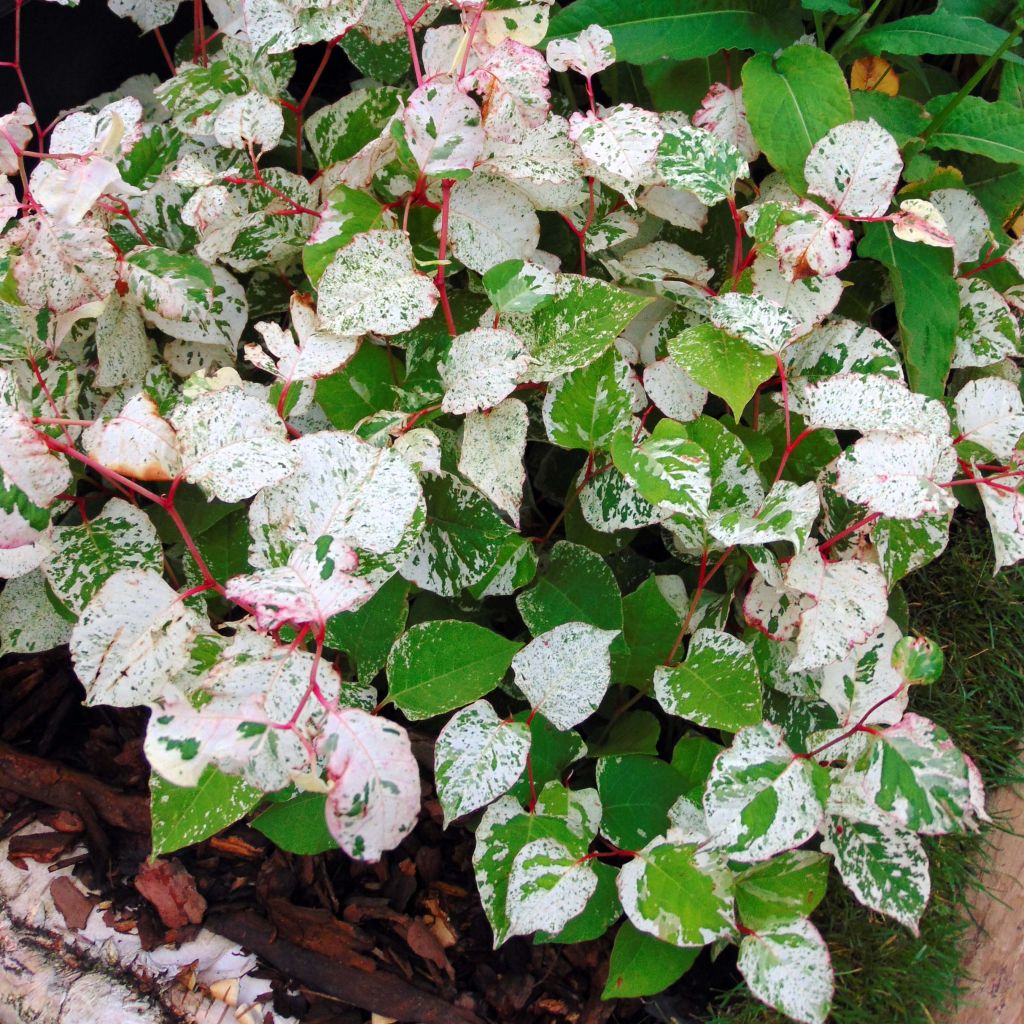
619, 148
340, 130
722, 113
80, 559
587, 53
988, 331
759, 799
855, 168
443, 129
677, 893
699, 161
481, 368
29, 623
491, 221
1005, 515
672, 390
371, 285
519, 286
990, 413
757, 320
133, 635
787, 513
609, 502
137, 442
493, 445
565, 672
477, 757
547, 887
789, 968
842, 346
717, 685
374, 783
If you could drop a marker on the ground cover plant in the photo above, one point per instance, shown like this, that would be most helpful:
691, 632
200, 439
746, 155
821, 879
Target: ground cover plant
587, 406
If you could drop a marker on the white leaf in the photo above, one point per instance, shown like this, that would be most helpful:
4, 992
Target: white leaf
670, 269
217, 320
842, 346
763, 323
850, 603
281, 25
250, 120
477, 757
28, 621
817, 243
1005, 514
588, 53
900, 476
789, 968
760, 798
313, 586
855, 168
122, 348
111, 132
371, 285
1015, 256
68, 189
25, 461
374, 795
232, 443
990, 412
883, 865
620, 147
809, 299
135, 634
867, 402
670, 388
548, 886
444, 129
137, 442
965, 219
421, 449
988, 331
918, 221
863, 678
361, 496
722, 113
16, 133
147, 14
82, 558
787, 513
493, 445
513, 82
680, 208
526, 23
565, 672
481, 369
490, 222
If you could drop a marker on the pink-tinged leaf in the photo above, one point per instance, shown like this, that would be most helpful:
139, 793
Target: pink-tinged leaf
25, 461
491, 221
110, 133
374, 782
898, 475
588, 53
137, 442
809, 299
493, 445
313, 586
773, 610
919, 221
966, 220
620, 148
251, 120
61, 267
723, 114
16, 133
68, 189
817, 243
513, 86
855, 168
444, 129
1005, 514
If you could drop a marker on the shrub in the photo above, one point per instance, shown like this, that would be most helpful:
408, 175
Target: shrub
607, 434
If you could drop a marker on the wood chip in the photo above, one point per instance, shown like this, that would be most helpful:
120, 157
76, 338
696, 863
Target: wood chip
172, 892
73, 904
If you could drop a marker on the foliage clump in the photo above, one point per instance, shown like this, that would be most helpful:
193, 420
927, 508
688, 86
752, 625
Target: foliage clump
594, 422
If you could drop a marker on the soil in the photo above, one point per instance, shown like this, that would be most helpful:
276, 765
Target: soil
406, 938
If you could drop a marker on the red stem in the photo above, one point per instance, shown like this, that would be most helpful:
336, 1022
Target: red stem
853, 528
442, 254
737, 253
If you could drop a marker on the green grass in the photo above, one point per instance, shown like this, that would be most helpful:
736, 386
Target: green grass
883, 973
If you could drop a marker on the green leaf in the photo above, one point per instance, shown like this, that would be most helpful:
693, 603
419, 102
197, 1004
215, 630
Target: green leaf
338, 131
636, 732
927, 304
362, 388
942, 32
989, 128
792, 100
717, 685
585, 319
650, 30
667, 468
348, 212
439, 666
678, 893
693, 757
298, 825
782, 889
728, 367
186, 815
642, 965
368, 633
650, 623
386, 62
904, 119
636, 794
551, 752
577, 586
585, 408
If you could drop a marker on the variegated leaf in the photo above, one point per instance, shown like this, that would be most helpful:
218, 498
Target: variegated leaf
493, 445
855, 168
481, 369
547, 887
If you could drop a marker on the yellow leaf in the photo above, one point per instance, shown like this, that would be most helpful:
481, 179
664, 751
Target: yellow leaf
874, 74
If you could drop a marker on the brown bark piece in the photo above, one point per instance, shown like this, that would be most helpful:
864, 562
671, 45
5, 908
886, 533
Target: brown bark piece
172, 892
73, 904
44, 847
994, 960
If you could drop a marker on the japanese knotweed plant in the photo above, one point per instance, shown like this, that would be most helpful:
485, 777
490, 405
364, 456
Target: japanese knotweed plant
588, 437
